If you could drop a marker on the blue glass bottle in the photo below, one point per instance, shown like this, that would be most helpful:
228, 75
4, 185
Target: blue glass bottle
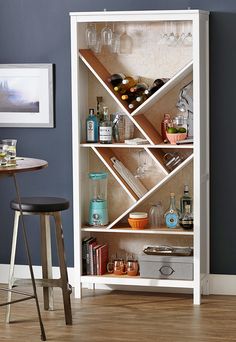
92, 127
172, 215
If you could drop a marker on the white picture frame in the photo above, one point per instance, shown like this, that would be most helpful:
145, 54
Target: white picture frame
26, 95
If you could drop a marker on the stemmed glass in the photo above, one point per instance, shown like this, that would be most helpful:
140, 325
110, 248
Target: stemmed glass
164, 35
188, 39
91, 34
126, 42
172, 36
115, 41
140, 171
106, 35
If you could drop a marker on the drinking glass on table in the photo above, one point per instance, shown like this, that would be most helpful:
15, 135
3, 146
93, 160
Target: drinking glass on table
3, 155
10, 146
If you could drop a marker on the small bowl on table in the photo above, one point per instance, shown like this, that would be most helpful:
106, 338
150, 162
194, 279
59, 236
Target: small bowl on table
138, 220
174, 137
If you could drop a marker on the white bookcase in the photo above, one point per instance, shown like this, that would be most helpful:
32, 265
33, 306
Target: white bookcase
180, 63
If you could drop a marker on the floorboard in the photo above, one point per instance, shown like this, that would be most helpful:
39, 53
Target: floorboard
120, 316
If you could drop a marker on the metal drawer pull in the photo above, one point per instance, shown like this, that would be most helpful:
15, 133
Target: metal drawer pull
166, 270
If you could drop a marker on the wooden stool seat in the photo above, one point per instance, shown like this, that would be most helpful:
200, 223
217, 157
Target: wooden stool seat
44, 207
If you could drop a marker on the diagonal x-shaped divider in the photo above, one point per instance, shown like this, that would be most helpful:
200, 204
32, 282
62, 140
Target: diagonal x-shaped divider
155, 188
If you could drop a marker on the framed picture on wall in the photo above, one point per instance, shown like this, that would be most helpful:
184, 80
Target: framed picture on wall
26, 95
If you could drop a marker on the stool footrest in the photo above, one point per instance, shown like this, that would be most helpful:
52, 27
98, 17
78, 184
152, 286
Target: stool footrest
41, 282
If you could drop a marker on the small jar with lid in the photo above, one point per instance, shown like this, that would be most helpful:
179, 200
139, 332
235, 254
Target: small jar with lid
138, 220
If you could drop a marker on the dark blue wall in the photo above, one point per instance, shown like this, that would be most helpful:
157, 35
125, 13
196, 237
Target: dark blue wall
33, 31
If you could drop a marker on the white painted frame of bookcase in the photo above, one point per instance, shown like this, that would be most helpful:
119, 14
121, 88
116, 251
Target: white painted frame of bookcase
201, 140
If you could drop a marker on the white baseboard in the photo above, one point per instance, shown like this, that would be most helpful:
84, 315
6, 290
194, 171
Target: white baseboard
22, 271
219, 284
222, 284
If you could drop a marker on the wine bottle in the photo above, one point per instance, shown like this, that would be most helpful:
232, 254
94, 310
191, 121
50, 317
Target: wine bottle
140, 99
105, 129
160, 82
116, 79
120, 89
157, 84
139, 88
129, 82
133, 104
92, 127
129, 97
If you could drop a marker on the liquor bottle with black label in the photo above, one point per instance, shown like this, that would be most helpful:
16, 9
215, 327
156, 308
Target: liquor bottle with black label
186, 220
186, 199
105, 128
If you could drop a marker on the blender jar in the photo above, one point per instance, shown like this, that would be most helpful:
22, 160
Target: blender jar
98, 215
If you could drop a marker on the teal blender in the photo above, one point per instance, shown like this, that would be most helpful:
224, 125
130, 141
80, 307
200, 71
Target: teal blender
98, 215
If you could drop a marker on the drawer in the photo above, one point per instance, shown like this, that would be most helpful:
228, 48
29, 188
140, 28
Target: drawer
165, 267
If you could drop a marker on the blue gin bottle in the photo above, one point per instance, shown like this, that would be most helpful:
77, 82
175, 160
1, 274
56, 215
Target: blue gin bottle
172, 215
92, 127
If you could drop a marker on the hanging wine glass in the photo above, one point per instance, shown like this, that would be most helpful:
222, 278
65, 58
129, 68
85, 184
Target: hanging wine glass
172, 36
182, 35
188, 37
106, 35
91, 34
164, 35
115, 41
126, 43
140, 171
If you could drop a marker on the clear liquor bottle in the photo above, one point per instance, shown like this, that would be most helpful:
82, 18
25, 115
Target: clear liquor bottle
105, 128
172, 215
91, 127
99, 108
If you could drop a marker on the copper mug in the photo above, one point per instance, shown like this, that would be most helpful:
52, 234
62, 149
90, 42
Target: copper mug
117, 267
132, 267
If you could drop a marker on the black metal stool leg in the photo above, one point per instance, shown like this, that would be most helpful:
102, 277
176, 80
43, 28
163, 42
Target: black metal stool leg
43, 335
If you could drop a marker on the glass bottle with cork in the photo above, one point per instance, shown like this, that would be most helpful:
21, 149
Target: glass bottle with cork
172, 214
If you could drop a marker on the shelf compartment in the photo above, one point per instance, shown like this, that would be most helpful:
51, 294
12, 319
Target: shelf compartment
105, 154
158, 155
132, 159
136, 280
177, 78
149, 129
155, 188
102, 74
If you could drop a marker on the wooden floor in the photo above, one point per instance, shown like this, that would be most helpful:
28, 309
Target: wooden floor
126, 317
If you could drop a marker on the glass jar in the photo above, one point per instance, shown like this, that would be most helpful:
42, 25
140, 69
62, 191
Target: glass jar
156, 215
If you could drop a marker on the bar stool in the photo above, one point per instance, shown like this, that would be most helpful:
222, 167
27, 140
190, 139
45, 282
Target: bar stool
44, 207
